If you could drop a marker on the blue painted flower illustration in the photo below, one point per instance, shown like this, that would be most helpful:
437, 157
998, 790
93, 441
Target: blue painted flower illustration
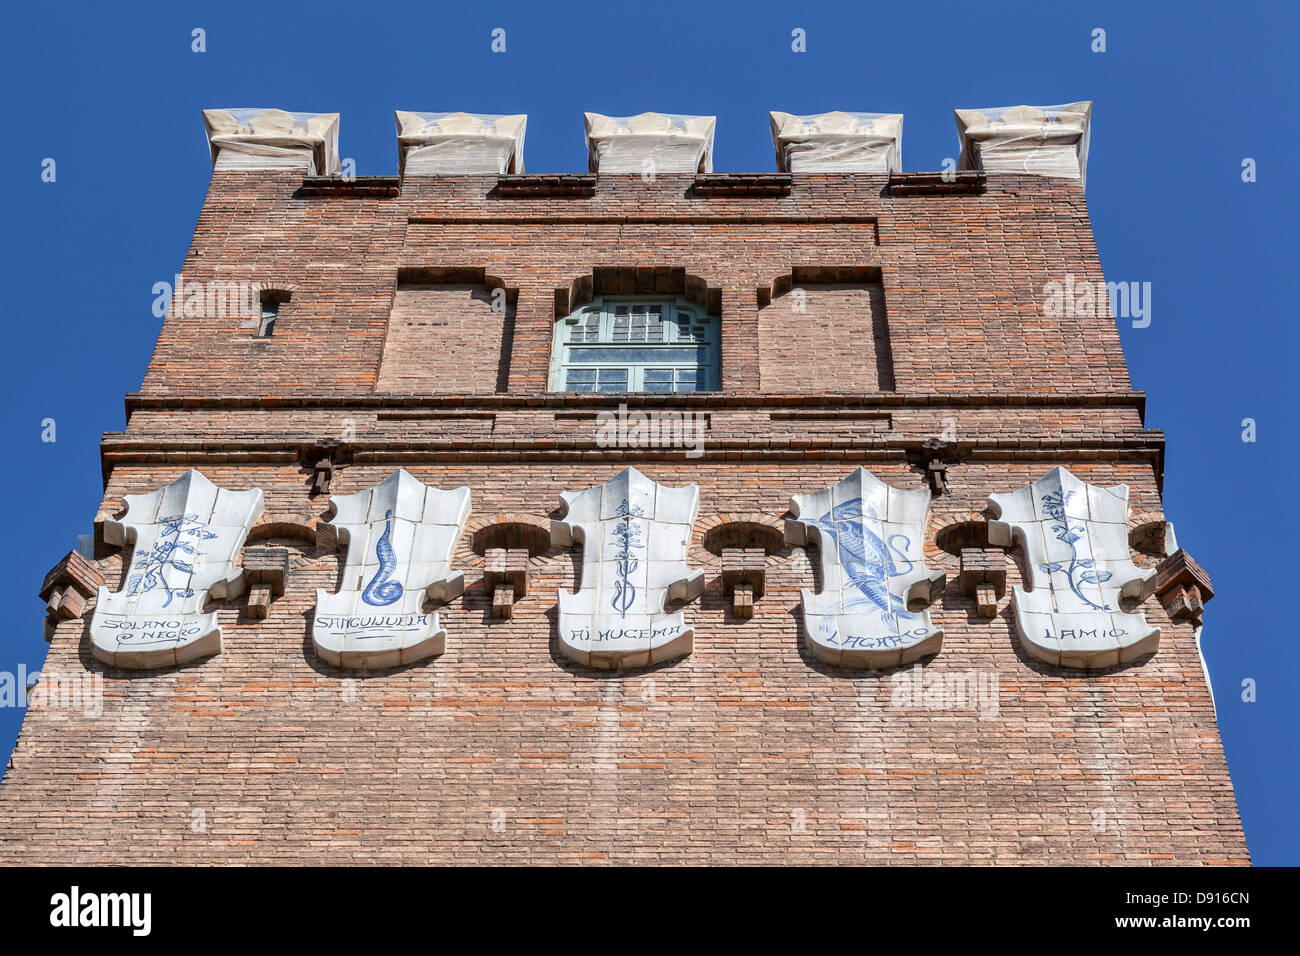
868, 559
382, 590
1079, 570
627, 536
174, 548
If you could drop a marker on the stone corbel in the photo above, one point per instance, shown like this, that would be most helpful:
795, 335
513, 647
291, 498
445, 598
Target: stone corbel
984, 577
1183, 587
67, 588
931, 459
507, 542
266, 570
324, 458
744, 576
743, 542
505, 577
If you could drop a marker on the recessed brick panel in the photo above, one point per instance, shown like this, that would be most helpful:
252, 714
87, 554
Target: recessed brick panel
444, 339
819, 338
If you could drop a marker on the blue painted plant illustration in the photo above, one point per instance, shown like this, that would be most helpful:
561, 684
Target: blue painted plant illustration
382, 590
1079, 570
174, 548
627, 536
868, 559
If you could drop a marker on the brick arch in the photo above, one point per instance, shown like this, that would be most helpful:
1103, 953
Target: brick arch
507, 530
947, 532
637, 280
750, 529
300, 526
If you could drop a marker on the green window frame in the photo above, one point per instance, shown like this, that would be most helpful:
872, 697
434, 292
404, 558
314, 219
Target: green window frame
636, 344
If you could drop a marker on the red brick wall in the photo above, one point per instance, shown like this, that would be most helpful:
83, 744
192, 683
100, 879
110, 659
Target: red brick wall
749, 750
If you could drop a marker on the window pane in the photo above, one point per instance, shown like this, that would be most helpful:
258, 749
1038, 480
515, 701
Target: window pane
581, 380
587, 329
612, 380
660, 375
686, 374
658, 386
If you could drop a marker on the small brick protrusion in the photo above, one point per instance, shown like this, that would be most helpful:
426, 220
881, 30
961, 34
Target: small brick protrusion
505, 577
259, 602
68, 586
322, 475
266, 571
1183, 587
984, 577
744, 574
503, 601
742, 601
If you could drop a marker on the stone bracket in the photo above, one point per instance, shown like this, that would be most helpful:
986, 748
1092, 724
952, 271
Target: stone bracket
1183, 587
67, 587
931, 458
984, 577
322, 475
744, 573
505, 577
266, 571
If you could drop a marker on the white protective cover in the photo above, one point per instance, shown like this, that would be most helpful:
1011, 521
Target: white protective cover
273, 139
838, 142
457, 144
1040, 140
650, 143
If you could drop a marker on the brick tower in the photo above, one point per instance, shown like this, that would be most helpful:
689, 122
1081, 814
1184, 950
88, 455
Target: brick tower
645, 515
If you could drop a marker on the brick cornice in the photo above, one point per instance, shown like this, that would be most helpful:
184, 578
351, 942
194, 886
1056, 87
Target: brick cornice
116, 448
136, 401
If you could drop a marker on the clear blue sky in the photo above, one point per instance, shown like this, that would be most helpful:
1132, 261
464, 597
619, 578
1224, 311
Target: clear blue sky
113, 92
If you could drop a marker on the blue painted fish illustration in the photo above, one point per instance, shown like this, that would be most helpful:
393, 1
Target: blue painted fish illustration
382, 590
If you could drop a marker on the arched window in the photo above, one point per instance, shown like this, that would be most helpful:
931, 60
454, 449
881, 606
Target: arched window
642, 344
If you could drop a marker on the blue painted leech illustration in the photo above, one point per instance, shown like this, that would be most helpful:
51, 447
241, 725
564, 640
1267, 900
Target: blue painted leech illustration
628, 536
149, 567
867, 559
1054, 505
382, 590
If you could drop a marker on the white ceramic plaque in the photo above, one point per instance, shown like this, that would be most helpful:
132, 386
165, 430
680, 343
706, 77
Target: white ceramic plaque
1075, 539
869, 539
400, 536
633, 533
186, 537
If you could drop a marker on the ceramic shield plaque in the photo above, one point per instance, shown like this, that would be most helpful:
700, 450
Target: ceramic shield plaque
399, 536
633, 533
186, 537
1075, 539
869, 538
